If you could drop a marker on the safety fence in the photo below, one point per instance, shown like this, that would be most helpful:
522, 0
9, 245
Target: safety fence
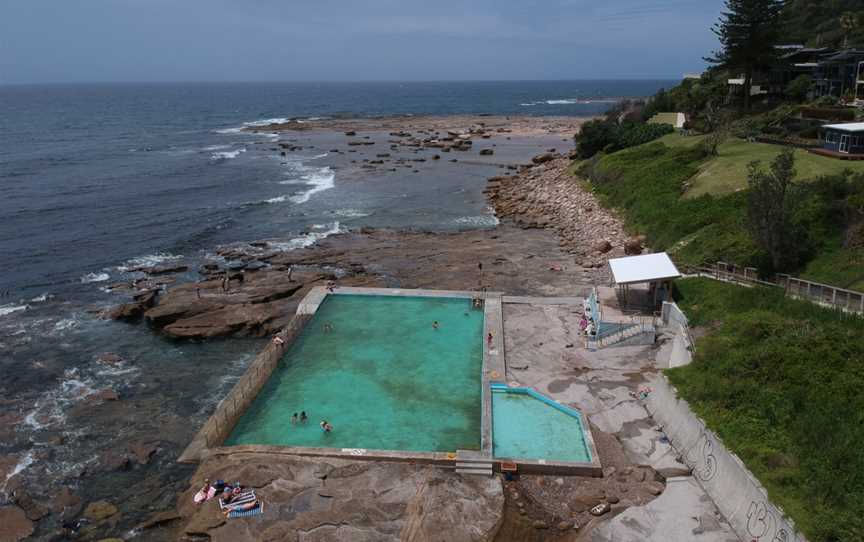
229, 411
815, 292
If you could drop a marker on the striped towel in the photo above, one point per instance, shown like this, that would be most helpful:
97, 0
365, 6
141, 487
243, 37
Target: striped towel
244, 498
248, 513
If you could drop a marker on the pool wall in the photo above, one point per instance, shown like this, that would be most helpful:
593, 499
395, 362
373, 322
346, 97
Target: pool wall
541, 466
210, 439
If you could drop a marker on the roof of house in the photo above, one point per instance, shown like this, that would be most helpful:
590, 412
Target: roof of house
644, 268
839, 56
846, 127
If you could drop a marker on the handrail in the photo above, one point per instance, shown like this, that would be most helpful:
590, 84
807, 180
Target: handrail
815, 292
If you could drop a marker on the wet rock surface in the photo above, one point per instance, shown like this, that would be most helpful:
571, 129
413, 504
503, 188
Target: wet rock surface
356, 501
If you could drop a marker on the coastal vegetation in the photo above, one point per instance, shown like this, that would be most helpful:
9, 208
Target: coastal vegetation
779, 381
649, 185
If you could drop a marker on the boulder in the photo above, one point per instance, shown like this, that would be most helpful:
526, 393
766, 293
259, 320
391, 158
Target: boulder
143, 451
110, 358
486, 152
603, 246
99, 510
14, 524
543, 158
633, 246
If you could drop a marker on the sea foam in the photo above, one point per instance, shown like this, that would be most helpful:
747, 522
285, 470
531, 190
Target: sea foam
95, 277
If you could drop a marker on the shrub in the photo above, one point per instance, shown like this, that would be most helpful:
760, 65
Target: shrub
609, 136
779, 381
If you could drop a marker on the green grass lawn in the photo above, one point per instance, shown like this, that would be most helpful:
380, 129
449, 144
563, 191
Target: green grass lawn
664, 118
780, 380
840, 267
728, 172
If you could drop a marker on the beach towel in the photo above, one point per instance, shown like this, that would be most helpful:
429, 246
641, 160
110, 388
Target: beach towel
202, 495
248, 513
244, 498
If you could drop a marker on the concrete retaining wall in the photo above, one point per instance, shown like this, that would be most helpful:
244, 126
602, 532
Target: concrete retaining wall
228, 412
683, 347
737, 493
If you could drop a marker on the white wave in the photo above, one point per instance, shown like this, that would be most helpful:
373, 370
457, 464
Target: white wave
266, 122
50, 407
22, 464
95, 277
235, 130
9, 309
148, 261
350, 213
481, 221
310, 238
66, 323
226, 155
320, 181
562, 102
278, 199
41, 298
211, 148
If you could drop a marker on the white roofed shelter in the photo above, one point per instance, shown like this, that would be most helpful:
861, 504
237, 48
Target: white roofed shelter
655, 270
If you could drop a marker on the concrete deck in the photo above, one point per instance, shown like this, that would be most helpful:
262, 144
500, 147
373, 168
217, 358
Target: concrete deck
682, 513
544, 351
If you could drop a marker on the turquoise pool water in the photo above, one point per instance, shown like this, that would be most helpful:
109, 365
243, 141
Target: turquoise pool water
383, 377
525, 427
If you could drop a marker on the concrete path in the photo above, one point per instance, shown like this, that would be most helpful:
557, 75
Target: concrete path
544, 351
683, 513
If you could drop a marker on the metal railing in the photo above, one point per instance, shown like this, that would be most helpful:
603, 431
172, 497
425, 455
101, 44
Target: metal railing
815, 292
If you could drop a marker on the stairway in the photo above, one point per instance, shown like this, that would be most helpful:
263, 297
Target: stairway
468, 462
479, 468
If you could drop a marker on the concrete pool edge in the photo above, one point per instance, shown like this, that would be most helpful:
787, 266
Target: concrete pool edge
228, 412
540, 466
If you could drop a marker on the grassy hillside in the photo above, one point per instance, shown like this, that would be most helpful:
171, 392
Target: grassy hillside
728, 172
664, 118
662, 190
780, 381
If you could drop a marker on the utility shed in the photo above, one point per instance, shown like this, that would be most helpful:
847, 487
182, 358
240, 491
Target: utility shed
845, 138
654, 270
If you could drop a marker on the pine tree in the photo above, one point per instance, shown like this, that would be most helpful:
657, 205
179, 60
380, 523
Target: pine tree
748, 31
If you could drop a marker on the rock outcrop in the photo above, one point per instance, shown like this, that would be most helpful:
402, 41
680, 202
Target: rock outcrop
547, 195
330, 499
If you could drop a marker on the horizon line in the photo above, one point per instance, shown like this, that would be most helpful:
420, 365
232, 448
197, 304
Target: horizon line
327, 81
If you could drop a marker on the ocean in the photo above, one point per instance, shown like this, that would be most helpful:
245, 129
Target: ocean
100, 178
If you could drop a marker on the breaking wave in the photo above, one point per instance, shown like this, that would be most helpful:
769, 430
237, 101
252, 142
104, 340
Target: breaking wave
95, 277
318, 232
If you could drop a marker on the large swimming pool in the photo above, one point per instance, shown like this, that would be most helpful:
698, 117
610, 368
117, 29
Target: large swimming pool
377, 370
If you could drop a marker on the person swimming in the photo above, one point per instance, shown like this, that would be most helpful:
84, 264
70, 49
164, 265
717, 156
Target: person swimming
294, 419
303, 417
325, 426
435, 325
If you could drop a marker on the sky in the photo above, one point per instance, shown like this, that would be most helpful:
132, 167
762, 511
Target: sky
352, 40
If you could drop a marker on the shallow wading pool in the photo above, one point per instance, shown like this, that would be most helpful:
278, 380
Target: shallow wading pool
377, 370
528, 425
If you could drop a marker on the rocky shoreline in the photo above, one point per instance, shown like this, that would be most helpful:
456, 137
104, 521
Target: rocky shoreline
258, 288
554, 240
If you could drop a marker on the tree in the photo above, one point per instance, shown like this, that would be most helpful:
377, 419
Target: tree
798, 88
748, 31
770, 209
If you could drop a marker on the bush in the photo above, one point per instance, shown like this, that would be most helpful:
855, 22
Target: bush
610, 136
779, 381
